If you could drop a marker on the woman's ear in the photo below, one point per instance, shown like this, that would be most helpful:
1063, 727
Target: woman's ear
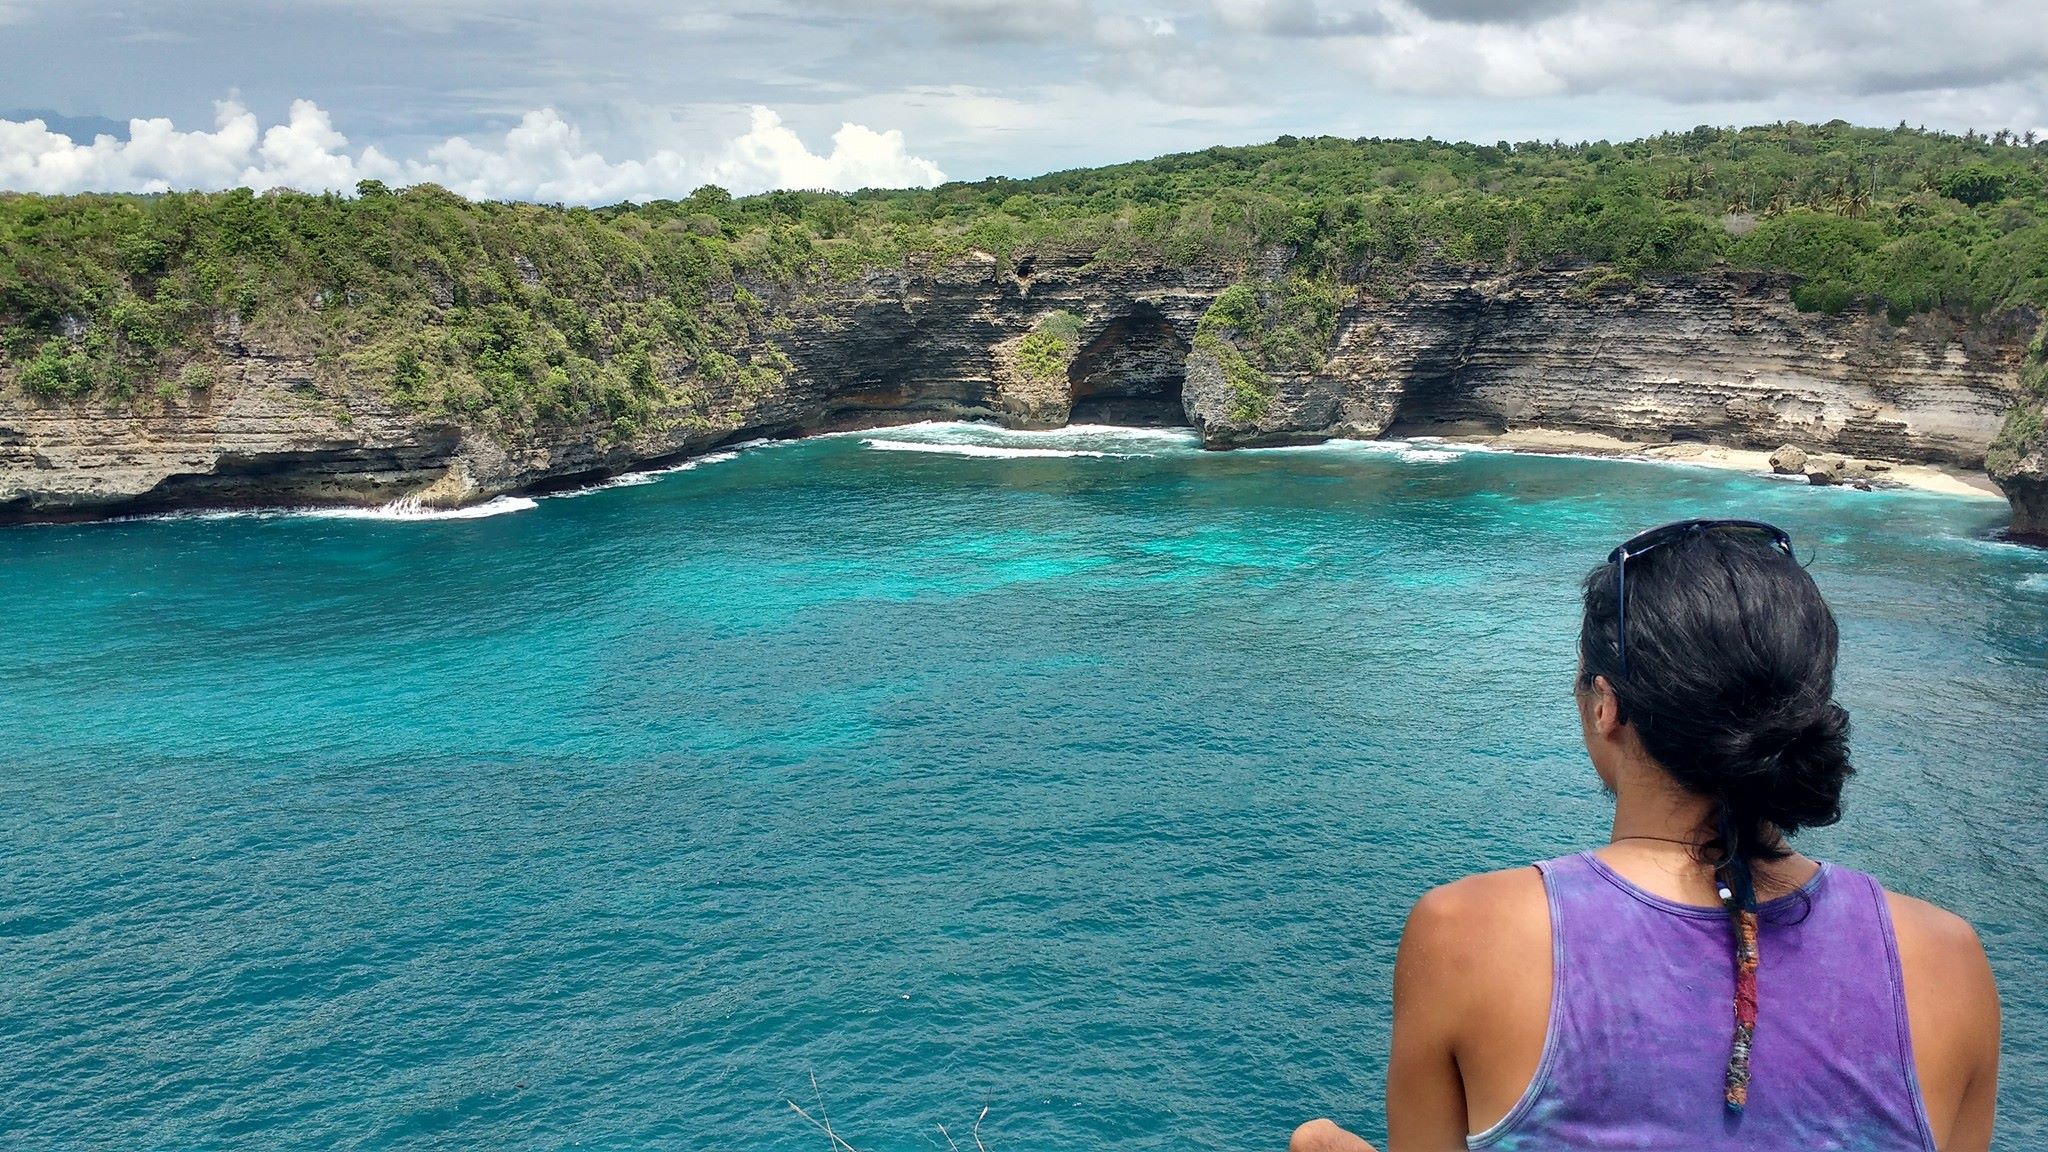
1603, 709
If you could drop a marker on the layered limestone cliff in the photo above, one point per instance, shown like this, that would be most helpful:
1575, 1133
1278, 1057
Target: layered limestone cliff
2026, 486
1720, 357
2019, 466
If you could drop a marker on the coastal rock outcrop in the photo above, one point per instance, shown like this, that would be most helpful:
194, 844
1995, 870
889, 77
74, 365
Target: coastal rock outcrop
2025, 484
1838, 470
1720, 357
2018, 464
1353, 395
264, 433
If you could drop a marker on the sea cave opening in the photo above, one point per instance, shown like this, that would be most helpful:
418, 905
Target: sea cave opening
1131, 373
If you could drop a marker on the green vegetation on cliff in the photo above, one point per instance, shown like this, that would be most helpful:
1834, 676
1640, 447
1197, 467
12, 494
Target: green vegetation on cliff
1044, 352
508, 314
2024, 433
1257, 327
512, 316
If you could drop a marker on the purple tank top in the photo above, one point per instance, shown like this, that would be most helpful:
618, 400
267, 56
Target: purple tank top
1642, 1010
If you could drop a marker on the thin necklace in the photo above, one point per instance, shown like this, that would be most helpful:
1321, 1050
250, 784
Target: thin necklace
1721, 889
1665, 839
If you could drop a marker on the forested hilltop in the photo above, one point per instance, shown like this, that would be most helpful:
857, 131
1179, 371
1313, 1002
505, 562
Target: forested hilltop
521, 316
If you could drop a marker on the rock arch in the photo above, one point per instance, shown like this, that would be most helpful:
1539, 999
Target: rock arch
1131, 372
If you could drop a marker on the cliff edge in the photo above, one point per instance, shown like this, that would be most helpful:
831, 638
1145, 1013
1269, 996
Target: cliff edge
1718, 357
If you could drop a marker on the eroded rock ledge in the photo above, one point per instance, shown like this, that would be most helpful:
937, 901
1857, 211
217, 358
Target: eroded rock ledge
1719, 358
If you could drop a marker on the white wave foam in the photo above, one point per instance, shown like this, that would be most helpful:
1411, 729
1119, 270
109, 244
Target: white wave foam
404, 508
984, 450
650, 475
1081, 439
1420, 450
2038, 582
1113, 432
624, 480
410, 508
1320, 447
201, 514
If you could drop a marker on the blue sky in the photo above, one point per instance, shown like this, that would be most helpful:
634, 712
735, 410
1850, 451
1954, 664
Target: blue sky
609, 99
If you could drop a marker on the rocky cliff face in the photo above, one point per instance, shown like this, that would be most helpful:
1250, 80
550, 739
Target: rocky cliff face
2019, 465
1716, 357
2026, 486
1721, 358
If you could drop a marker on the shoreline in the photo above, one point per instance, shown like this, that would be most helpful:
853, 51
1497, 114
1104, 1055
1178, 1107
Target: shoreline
1532, 441
1932, 478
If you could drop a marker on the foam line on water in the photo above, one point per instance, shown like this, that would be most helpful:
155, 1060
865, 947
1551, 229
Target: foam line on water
410, 508
983, 450
1421, 450
651, 475
1095, 439
406, 508
1115, 432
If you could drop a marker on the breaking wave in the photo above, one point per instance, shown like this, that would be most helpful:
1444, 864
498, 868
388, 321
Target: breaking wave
410, 508
985, 450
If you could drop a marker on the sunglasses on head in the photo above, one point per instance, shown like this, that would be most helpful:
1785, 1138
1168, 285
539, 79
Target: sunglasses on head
1656, 538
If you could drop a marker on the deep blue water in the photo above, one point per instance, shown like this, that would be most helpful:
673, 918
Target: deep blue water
1089, 789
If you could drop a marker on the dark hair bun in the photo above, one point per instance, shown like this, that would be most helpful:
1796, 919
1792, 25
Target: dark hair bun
1790, 774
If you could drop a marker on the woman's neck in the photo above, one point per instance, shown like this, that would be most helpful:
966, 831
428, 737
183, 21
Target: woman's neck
1657, 834
1649, 805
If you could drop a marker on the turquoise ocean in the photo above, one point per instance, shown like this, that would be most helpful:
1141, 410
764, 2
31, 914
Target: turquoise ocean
1084, 778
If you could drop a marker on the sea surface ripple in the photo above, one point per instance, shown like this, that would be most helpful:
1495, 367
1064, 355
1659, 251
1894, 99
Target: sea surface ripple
1082, 776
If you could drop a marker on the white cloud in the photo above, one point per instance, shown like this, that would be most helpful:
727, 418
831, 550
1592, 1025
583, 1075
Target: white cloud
648, 96
1293, 18
154, 158
543, 158
771, 156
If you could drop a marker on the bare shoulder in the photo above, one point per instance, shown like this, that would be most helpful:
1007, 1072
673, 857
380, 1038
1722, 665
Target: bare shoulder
1484, 892
1938, 946
1473, 978
1952, 1011
1481, 912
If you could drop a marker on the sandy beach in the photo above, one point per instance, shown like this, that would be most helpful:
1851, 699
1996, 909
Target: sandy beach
1559, 441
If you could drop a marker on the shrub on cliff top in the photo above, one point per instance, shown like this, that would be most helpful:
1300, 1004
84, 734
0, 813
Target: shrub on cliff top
523, 315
